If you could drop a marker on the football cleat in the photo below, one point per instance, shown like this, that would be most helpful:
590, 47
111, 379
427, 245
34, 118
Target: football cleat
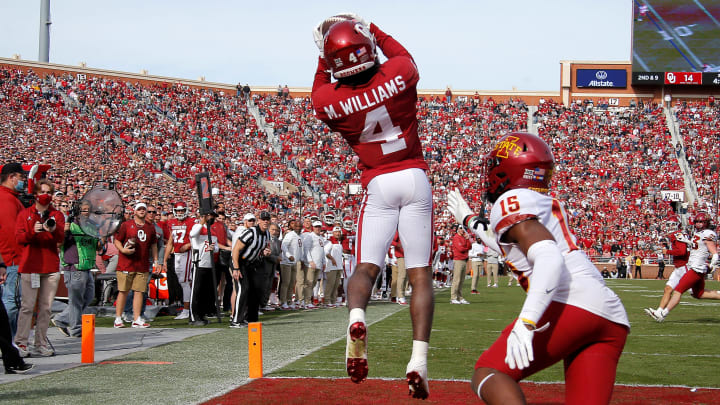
356, 352
417, 379
654, 314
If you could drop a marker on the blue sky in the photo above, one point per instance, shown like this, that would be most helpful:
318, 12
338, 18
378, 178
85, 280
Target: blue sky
468, 45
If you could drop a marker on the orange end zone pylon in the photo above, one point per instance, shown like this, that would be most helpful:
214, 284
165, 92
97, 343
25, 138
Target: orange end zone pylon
255, 355
88, 339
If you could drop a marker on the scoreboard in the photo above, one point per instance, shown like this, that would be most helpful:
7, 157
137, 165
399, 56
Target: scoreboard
676, 78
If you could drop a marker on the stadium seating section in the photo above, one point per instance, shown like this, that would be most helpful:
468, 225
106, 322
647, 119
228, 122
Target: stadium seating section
152, 140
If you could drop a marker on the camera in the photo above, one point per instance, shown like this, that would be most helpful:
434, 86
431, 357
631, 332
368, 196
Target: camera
48, 221
26, 199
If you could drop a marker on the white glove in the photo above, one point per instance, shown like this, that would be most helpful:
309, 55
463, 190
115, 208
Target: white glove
519, 345
714, 261
680, 237
457, 206
323, 26
33, 171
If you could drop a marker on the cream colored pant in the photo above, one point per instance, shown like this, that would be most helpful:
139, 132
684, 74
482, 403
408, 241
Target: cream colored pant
459, 269
492, 270
288, 272
399, 279
476, 268
44, 297
305, 283
332, 282
300, 277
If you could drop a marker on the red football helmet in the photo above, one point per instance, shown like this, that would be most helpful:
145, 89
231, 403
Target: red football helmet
329, 218
348, 223
519, 160
701, 221
349, 48
177, 208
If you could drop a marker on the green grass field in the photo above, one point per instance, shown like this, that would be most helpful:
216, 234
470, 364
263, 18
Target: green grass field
679, 351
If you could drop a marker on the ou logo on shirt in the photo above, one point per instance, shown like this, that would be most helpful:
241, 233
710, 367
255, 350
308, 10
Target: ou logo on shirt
141, 235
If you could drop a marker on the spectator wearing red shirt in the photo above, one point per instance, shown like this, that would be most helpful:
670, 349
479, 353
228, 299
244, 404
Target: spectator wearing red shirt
460, 247
136, 240
12, 180
39, 230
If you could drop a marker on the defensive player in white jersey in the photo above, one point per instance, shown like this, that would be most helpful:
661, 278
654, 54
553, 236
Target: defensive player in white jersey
569, 314
179, 244
702, 246
373, 106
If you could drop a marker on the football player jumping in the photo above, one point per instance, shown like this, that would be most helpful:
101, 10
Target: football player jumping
569, 314
373, 107
702, 246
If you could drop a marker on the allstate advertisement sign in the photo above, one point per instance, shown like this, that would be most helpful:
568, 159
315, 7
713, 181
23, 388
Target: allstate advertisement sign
599, 78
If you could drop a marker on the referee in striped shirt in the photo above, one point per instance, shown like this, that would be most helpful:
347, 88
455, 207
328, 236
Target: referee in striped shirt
247, 254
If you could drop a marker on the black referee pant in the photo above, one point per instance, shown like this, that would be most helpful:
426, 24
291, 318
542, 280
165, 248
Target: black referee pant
202, 296
10, 355
241, 295
249, 292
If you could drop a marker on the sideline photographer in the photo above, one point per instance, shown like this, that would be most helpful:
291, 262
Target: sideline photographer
13, 181
39, 231
78, 257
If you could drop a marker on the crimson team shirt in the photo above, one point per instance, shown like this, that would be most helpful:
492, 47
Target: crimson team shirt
145, 237
348, 242
180, 231
679, 250
377, 119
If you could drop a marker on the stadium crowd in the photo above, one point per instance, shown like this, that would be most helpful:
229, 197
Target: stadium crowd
151, 140
698, 124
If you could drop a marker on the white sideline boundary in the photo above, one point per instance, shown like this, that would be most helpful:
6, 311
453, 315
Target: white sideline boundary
280, 365
527, 381
298, 357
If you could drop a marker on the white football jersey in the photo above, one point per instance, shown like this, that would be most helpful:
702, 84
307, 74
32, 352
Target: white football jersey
699, 252
581, 284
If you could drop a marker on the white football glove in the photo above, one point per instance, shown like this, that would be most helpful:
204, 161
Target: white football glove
33, 171
714, 261
323, 26
519, 345
680, 237
457, 206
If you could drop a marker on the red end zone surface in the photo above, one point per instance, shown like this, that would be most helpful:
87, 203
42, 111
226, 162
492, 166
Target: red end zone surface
342, 391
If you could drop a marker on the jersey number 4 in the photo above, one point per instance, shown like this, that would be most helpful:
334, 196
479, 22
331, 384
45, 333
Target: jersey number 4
388, 135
